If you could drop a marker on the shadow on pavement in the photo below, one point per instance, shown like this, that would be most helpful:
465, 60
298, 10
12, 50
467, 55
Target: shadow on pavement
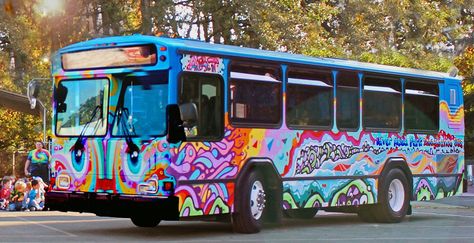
191, 230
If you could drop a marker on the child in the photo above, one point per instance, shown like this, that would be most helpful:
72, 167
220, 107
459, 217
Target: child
34, 201
5, 193
17, 196
27, 191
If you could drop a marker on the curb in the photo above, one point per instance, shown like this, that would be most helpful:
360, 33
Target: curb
435, 205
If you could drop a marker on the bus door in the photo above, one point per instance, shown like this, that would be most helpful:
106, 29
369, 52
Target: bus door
139, 124
202, 93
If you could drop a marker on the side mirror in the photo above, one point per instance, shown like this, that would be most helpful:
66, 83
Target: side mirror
174, 124
60, 95
189, 114
32, 93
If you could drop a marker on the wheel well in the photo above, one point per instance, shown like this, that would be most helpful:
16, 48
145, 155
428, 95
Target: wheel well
397, 163
272, 181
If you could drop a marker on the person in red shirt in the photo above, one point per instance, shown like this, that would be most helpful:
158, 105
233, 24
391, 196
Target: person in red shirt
5, 193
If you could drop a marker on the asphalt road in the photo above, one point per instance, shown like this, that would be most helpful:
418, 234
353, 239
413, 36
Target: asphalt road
431, 222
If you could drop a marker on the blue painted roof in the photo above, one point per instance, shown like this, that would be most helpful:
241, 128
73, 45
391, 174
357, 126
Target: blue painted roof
195, 46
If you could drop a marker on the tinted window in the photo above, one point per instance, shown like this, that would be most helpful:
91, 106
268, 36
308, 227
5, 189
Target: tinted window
421, 106
137, 116
382, 103
255, 94
347, 104
309, 98
204, 93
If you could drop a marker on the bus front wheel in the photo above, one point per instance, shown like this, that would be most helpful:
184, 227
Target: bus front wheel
252, 201
144, 221
394, 197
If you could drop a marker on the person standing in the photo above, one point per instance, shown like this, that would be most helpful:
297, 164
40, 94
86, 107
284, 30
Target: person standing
37, 162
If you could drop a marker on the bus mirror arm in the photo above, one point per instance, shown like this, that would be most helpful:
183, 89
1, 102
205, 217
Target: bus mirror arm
174, 124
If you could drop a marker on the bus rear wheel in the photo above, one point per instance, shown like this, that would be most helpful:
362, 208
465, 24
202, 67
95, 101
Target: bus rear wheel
252, 201
394, 198
144, 221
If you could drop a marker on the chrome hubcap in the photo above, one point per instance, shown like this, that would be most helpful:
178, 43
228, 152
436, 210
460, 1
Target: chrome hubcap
396, 195
257, 200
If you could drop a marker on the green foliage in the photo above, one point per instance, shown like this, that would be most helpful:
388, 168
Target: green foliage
395, 58
465, 64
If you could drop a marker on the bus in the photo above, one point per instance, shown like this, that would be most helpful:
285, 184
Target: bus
155, 128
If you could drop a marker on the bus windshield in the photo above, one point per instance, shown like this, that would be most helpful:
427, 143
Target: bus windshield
142, 111
85, 106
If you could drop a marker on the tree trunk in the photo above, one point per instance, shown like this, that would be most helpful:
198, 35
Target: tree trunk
145, 17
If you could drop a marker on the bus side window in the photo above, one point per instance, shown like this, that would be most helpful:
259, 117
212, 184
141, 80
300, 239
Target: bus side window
309, 98
255, 94
382, 103
347, 104
421, 106
204, 92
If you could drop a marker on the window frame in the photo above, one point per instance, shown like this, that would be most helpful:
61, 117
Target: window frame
222, 110
261, 63
314, 69
107, 127
389, 79
421, 131
359, 97
120, 102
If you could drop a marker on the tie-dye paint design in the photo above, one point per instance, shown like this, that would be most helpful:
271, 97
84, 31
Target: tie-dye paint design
204, 173
39, 156
329, 193
363, 155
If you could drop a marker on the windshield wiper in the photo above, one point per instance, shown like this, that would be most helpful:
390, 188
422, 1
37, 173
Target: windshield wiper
128, 132
78, 147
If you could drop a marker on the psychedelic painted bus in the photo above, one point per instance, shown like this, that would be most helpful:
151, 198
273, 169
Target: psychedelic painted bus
154, 128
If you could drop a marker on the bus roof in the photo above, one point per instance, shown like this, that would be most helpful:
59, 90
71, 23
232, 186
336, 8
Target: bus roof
196, 46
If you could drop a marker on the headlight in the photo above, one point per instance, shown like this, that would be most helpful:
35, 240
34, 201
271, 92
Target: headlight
63, 181
149, 187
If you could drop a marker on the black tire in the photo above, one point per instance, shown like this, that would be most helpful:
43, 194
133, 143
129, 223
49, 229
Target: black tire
144, 221
302, 213
243, 221
384, 212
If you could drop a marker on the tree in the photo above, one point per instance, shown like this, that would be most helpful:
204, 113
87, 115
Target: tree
411, 33
465, 64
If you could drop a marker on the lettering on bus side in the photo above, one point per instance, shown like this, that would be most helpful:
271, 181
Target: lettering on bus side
202, 64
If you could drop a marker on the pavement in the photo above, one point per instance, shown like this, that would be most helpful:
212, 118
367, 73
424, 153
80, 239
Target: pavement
445, 220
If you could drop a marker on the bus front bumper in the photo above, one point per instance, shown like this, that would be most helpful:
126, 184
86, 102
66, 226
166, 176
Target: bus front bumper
113, 205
